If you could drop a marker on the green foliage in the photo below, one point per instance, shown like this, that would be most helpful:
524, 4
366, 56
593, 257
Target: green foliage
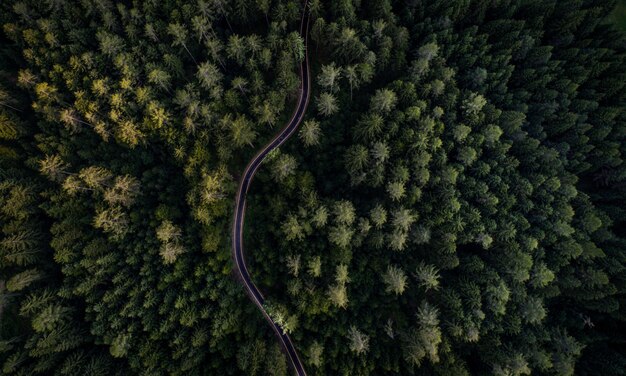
455, 204
482, 160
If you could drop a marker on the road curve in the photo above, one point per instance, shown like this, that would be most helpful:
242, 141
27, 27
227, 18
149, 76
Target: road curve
244, 185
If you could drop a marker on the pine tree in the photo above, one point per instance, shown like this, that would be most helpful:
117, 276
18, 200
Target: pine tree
327, 104
359, 342
395, 280
427, 276
338, 295
378, 216
284, 166
310, 133
344, 212
329, 77
383, 101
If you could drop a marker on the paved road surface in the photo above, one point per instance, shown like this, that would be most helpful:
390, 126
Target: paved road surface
244, 185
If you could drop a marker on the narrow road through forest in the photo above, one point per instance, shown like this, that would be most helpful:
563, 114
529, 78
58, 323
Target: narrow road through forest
244, 185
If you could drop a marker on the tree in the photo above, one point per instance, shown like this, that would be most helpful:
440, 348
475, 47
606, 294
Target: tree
533, 310
395, 280
327, 104
467, 155
241, 130
423, 341
316, 351
359, 342
474, 104
284, 166
352, 75
276, 363
370, 126
380, 152
320, 218
428, 51
341, 274
402, 219
170, 252
384, 100
179, 33
395, 190
397, 240
310, 133
280, 316
338, 295
236, 48
427, 276
250, 357
209, 75
240, 84
541, 275
158, 115
293, 264
212, 187
296, 45
129, 133
120, 345
566, 350
160, 78
123, 192
113, 221
340, 236
329, 77
96, 177
292, 228
356, 158
515, 366
53, 167
315, 267
168, 233
21, 248
22, 280
497, 296
379, 216
344, 212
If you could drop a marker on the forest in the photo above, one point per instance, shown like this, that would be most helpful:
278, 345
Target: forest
453, 202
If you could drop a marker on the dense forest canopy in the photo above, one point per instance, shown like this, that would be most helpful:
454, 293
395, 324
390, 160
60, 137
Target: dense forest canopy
452, 204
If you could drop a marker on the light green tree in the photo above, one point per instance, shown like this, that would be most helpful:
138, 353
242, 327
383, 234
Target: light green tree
320, 217
402, 219
427, 276
383, 101
209, 75
340, 236
284, 166
327, 104
378, 216
293, 264
338, 295
329, 77
356, 158
396, 190
315, 266
358, 342
310, 133
344, 211
316, 351
395, 280
160, 78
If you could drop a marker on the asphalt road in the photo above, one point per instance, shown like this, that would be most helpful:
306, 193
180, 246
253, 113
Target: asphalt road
244, 185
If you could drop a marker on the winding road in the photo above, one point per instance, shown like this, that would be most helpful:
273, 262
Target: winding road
244, 185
